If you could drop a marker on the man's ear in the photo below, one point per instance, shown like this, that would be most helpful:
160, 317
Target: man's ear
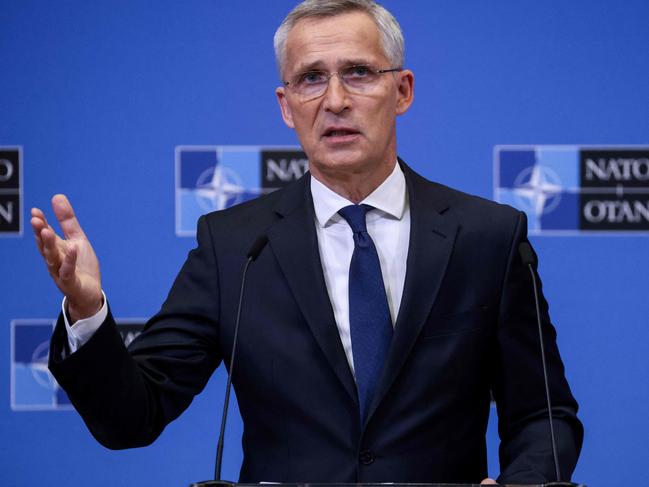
287, 116
405, 91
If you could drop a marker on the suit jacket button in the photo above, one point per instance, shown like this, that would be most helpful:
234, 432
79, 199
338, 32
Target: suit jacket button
366, 457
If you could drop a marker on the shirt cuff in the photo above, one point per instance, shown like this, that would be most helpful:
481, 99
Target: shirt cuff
81, 331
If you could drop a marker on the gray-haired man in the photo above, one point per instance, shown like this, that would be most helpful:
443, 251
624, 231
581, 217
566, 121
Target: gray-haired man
440, 268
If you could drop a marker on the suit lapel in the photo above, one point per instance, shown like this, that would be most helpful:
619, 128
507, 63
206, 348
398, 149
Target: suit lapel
432, 236
294, 241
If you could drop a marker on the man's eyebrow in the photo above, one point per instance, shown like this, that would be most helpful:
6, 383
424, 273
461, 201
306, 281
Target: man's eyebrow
341, 63
312, 66
353, 62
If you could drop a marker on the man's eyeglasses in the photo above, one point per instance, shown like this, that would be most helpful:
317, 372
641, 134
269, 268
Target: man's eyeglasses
358, 79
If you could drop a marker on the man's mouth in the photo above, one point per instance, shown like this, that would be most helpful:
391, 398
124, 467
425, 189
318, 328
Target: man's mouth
340, 133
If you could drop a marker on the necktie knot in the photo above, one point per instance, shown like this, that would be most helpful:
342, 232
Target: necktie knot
354, 215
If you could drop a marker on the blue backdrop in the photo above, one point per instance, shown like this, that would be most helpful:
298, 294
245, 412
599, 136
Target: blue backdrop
98, 94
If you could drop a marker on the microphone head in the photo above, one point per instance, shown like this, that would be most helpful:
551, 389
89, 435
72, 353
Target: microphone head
526, 253
257, 247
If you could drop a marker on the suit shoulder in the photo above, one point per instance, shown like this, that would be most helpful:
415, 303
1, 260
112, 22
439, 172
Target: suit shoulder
481, 205
469, 203
476, 215
488, 228
240, 225
242, 214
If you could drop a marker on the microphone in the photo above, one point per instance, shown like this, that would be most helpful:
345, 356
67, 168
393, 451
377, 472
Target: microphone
257, 247
527, 256
252, 255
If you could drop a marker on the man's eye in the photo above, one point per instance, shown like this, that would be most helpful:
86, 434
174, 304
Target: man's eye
358, 72
312, 77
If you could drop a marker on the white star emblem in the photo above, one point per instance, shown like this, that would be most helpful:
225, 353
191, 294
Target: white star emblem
218, 188
538, 189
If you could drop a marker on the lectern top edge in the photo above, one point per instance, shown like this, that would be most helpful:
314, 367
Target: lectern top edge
222, 483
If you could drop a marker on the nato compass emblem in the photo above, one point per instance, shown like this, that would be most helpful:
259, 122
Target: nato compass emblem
543, 182
537, 190
219, 187
570, 190
32, 386
212, 178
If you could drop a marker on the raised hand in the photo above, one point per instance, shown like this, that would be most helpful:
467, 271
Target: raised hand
71, 261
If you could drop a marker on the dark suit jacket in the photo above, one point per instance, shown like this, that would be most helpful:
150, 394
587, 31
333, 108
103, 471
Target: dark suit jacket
466, 327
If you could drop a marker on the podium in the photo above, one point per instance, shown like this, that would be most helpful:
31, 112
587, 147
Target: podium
222, 483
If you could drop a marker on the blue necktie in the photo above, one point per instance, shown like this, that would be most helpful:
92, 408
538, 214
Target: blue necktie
369, 316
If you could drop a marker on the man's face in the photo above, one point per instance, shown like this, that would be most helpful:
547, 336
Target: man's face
343, 133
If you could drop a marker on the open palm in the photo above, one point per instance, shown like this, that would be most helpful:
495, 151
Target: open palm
71, 260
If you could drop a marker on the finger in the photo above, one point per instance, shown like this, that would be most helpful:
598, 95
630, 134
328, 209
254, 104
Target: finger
65, 215
44, 234
69, 264
38, 213
38, 221
51, 250
37, 227
38, 240
488, 481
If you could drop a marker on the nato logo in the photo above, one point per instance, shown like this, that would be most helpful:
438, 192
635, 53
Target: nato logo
33, 388
569, 190
10, 191
212, 178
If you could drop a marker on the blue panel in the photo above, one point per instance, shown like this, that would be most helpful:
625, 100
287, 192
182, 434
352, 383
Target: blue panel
565, 216
28, 338
512, 163
563, 161
194, 163
32, 388
245, 164
189, 211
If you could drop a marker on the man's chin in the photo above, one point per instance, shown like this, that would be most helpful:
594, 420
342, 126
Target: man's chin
342, 159
339, 166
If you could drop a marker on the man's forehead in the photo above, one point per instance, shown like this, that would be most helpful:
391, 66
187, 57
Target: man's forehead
334, 41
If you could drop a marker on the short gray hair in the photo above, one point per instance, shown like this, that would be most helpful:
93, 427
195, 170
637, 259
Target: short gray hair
389, 29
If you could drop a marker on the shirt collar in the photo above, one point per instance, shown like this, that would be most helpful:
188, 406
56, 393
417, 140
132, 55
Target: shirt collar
389, 197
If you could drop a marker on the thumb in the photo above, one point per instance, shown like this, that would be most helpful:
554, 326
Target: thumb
488, 481
66, 217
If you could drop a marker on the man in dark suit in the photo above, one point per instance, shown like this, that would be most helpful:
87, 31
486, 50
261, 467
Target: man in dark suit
331, 388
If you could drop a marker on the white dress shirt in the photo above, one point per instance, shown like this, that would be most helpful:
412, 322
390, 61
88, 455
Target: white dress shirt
388, 225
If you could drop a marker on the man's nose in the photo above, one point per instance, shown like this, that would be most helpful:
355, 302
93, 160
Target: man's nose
336, 97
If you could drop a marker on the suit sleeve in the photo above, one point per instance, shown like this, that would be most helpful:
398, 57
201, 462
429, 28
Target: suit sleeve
127, 397
525, 448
